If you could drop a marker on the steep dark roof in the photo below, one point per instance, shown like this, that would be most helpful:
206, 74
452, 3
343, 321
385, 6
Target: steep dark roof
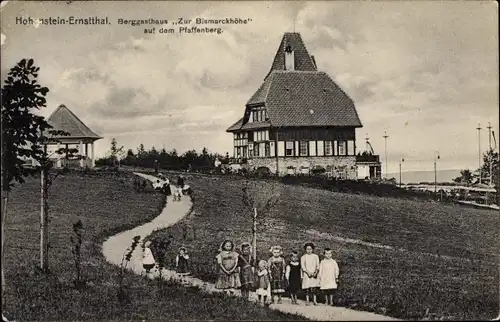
303, 61
256, 125
63, 119
303, 96
308, 99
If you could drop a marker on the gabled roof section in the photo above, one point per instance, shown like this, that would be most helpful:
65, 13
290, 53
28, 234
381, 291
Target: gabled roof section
259, 97
63, 119
303, 61
236, 126
298, 98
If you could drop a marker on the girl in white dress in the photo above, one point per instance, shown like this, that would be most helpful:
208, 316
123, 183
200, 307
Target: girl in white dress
264, 283
148, 260
328, 276
309, 264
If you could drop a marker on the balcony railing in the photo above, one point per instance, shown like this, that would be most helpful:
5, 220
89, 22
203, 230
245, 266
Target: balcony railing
367, 158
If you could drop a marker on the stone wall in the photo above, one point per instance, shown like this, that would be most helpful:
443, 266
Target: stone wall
342, 166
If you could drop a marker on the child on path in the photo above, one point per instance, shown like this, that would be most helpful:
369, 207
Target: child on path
277, 268
264, 288
293, 275
178, 194
328, 276
227, 262
182, 263
309, 263
247, 270
148, 260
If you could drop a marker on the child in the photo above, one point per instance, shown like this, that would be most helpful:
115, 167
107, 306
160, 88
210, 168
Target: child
328, 276
177, 194
309, 264
264, 289
182, 263
277, 267
246, 263
293, 276
227, 262
148, 260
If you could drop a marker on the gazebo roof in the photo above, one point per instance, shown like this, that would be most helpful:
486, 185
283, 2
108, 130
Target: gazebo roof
63, 119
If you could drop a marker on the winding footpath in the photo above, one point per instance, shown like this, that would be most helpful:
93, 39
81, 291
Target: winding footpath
115, 246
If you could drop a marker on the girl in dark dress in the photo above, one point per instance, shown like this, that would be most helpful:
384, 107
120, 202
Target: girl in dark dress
247, 270
182, 263
277, 268
293, 276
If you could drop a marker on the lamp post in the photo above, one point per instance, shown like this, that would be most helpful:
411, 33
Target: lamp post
490, 154
478, 128
385, 143
400, 176
436, 157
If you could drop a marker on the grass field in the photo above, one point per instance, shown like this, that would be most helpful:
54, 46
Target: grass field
445, 264
106, 205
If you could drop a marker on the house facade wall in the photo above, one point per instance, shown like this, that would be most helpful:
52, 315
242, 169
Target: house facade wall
341, 166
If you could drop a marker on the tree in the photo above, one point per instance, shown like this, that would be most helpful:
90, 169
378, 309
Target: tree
259, 198
21, 130
490, 164
466, 177
116, 153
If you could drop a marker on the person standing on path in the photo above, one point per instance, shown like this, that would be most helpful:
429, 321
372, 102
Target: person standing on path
293, 276
277, 268
247, 270
264, 287
148, 260
182, 263
328, 276
309, 264
227, 262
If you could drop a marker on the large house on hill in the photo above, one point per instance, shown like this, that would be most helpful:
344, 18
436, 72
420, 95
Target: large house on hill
300, 119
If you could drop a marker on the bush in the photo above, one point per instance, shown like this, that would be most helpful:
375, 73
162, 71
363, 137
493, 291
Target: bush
263, 172
318, 170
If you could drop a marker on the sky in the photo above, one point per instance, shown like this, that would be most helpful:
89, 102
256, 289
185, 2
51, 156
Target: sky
424, 72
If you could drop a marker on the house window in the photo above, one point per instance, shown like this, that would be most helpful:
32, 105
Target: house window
256, 150
289, 149
342, 147
328, 148
303, 145
267, 151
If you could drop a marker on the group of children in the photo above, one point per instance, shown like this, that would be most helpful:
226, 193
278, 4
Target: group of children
181, 261
274, 277
271, 278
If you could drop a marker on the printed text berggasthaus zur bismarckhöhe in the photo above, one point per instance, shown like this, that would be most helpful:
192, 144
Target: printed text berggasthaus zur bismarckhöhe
184, 25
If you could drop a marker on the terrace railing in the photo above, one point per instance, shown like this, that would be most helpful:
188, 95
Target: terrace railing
367, 158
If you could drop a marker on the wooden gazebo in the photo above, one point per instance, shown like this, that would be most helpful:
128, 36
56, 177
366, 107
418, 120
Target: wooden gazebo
80, 136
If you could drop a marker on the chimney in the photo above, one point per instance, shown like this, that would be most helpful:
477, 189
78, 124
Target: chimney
289, 58
314, 62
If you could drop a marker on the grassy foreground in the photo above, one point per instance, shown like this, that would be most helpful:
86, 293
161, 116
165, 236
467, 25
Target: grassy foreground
106, 205
445, 265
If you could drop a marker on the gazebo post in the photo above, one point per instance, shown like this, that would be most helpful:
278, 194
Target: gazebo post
58, 162
80, 151
92, 154
86, 154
